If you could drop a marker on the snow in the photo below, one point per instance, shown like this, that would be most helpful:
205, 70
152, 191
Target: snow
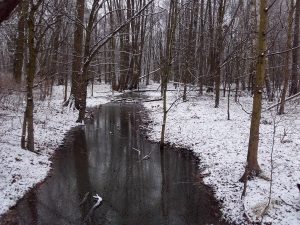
20, 169
221, 146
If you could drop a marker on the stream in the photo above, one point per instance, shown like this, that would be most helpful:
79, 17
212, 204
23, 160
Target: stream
107, 157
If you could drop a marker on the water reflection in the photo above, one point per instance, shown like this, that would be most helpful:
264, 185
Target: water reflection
102, 158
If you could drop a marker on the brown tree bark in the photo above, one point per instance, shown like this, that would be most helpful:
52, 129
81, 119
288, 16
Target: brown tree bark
219, 50
252, 167
166, 63
77, 51
112, 46
83, 78
20, 42
31, 70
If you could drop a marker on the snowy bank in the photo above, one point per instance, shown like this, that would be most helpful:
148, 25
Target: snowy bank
221, 145
20, 169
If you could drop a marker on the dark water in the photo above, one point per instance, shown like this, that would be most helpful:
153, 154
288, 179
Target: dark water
99, 158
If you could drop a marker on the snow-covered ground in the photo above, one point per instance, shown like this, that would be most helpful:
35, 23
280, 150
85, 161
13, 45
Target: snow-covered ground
20, 169
221, 145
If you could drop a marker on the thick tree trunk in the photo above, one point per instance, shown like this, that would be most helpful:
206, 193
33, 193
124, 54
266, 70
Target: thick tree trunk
77, 52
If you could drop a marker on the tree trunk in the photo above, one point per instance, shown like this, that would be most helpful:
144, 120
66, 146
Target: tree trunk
167, 58
31, 69
295, 77
20, 42
218, 52
252, 167
286, 72
77, 52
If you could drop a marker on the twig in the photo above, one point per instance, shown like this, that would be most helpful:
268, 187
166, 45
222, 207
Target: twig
297, 208
99, 200
135, 149
245, 183
289, 98
248, 219
238, 102
146, 156
84, 198
272, 166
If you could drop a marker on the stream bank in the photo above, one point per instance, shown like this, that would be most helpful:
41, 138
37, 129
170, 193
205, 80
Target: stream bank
106, 157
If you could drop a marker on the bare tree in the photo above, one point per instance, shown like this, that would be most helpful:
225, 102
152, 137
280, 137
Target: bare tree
286, 72
20, 42
252, 167
166, 62
295, 76
30, 74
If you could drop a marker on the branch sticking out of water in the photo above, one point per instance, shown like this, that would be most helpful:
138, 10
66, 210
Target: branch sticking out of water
135, 149
84, 198
99, 200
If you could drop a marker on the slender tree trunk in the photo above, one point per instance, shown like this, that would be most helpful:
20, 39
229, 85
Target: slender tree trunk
218, 52
295, 76
212, 63
112, 48
286, 72
31, 69
252, 167
253, 23
20, 42
267, 82
167, 58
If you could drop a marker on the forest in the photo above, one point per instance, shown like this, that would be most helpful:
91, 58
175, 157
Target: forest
218, 79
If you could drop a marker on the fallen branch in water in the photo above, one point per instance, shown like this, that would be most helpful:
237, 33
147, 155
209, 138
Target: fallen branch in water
146, 156
99, 200
135, 149
84, 198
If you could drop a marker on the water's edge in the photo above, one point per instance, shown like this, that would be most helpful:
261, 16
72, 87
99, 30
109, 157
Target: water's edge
10, 215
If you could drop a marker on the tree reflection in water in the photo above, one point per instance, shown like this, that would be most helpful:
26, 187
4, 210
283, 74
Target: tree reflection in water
99, 158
